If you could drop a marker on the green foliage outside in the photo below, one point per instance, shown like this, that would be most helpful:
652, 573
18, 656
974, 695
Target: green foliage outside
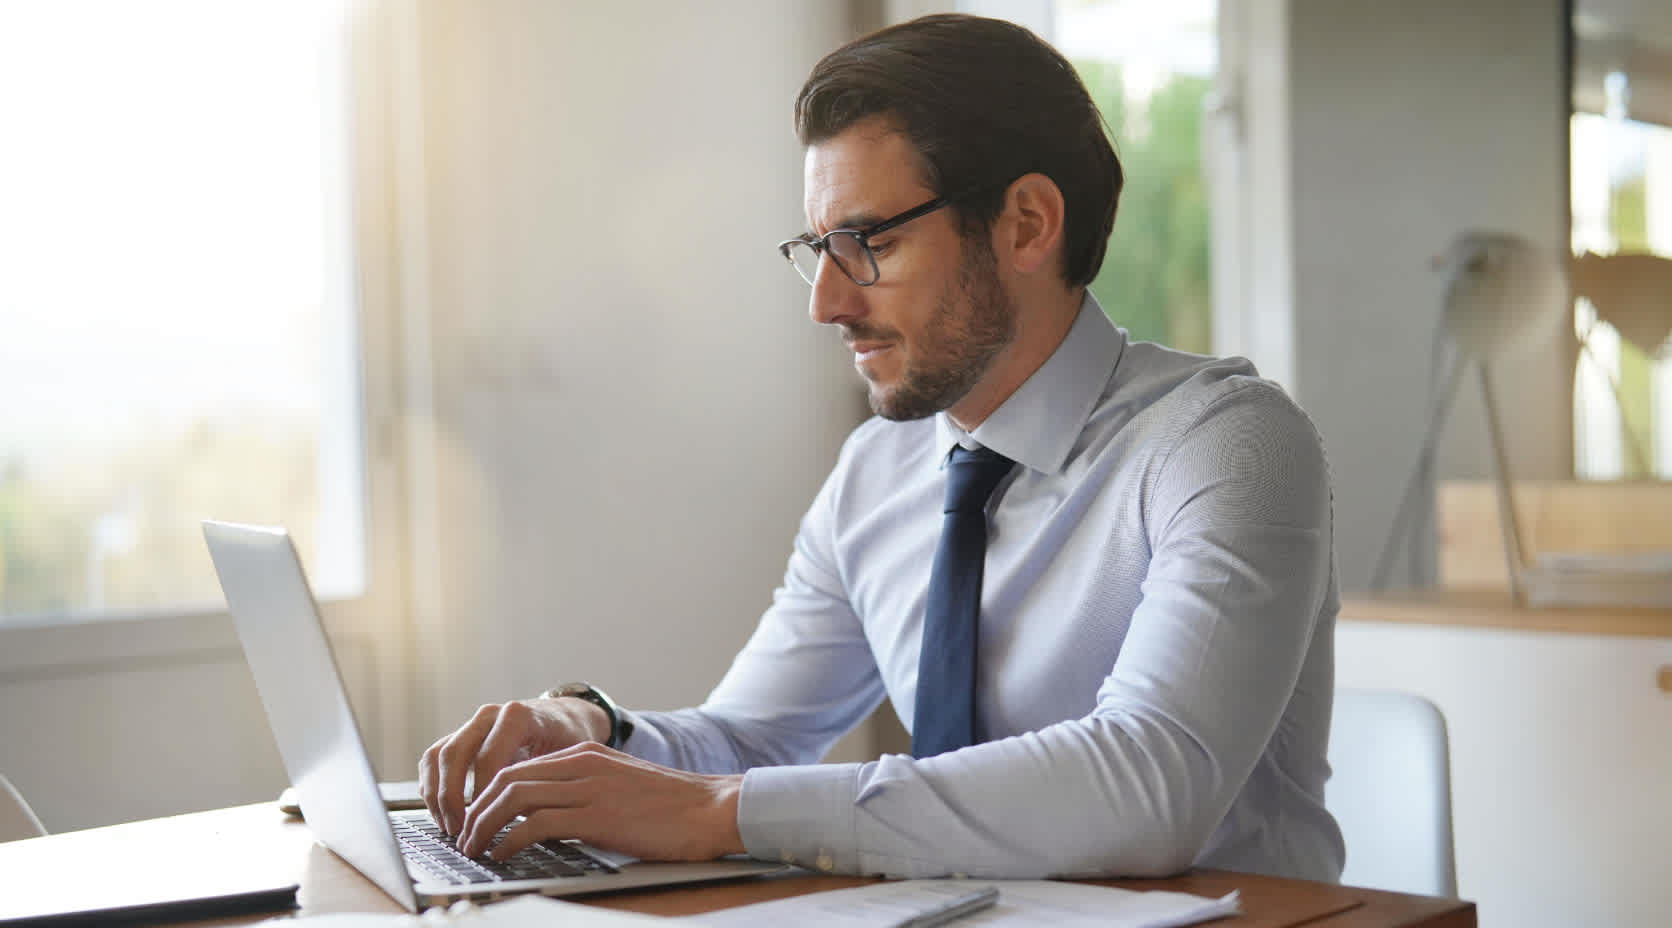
1628, 216
42, 545
156, 490
1154, 281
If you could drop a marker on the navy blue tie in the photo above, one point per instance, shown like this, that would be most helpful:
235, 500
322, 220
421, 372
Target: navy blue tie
944, 719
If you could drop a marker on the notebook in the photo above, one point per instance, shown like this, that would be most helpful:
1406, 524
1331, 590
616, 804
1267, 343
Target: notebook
308, 710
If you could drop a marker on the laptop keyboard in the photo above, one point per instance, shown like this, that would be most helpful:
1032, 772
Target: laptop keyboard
424, 844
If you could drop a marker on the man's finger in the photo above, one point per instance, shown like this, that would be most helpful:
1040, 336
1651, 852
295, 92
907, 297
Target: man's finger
492, 808
550, 822
502, 745
489, 799
429, 787
454, 762
509, 799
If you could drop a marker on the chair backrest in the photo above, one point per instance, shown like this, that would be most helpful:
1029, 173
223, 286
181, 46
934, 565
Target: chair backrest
17, 820
1391, 791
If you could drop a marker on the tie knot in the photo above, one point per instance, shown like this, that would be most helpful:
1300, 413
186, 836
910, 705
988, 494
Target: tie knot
971, 476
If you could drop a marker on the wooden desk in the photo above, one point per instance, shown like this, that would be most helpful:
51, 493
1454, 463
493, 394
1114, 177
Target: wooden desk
266, 838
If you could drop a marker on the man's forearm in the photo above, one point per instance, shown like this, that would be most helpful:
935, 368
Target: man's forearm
1076, 799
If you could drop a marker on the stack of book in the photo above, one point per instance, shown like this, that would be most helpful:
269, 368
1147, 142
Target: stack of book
1625, 580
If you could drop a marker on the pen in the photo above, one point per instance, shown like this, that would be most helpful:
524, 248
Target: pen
952, 910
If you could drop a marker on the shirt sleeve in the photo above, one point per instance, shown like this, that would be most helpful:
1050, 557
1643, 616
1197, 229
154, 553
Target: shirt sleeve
806, 676
1238, 520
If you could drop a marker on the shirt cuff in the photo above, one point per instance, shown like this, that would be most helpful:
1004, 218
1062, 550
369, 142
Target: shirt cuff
801, 815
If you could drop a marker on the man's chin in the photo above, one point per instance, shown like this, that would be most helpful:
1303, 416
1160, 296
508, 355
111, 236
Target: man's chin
890, 404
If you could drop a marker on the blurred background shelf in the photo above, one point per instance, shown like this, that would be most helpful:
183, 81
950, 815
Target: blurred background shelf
1485, 608
1569, 524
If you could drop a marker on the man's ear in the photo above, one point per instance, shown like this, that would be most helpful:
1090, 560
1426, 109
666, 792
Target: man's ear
1029, 233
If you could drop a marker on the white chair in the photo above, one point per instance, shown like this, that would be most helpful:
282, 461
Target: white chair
1391, 792
17, 820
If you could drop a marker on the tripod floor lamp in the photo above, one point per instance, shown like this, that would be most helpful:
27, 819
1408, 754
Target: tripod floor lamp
1502, 293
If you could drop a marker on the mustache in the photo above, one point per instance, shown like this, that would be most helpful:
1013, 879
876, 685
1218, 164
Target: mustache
863, 332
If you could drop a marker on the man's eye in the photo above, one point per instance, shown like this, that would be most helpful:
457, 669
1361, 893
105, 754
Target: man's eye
878, 249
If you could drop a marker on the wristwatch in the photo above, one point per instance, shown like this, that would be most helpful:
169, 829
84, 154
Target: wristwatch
621, 727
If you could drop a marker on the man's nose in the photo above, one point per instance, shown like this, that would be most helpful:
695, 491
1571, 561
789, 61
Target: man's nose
835, 298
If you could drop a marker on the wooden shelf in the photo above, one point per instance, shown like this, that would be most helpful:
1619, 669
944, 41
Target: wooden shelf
1495, 609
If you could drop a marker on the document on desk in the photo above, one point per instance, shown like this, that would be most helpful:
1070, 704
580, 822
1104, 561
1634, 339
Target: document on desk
1021, 902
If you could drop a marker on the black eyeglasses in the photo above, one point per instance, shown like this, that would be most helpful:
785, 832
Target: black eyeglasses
849, 248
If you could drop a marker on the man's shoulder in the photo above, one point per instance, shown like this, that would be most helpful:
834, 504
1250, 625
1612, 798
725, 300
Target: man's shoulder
1170, 384
1216, 423
1165, 395
1150, 363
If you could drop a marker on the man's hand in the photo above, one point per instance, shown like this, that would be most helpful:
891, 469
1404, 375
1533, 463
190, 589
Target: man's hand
607, 798
496, 737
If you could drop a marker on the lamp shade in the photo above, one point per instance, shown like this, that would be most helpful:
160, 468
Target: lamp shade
1631, 292
1502, 293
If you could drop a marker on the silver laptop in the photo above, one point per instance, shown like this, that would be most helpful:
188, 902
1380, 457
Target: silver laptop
308, 710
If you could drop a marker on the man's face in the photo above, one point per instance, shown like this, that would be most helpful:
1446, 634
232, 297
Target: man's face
931, 326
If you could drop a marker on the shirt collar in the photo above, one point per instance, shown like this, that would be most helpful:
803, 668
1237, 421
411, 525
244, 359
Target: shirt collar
1039, 423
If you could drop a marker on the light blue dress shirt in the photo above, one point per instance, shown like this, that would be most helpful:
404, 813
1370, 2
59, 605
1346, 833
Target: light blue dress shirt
1156, 656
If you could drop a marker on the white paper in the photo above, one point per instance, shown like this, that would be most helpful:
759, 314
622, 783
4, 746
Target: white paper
1021, 902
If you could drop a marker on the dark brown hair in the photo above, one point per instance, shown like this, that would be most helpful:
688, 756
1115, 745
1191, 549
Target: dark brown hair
983, 102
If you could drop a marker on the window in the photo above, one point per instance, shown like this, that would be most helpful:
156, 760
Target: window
1621, 143
1150, 68
177, 335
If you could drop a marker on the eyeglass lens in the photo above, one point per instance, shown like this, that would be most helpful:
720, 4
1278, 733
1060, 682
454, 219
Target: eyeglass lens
846, 248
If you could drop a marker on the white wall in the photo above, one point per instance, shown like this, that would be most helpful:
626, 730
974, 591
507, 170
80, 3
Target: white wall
631, 407
1377, 132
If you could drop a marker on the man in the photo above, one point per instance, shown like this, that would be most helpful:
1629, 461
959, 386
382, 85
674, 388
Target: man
1138, 677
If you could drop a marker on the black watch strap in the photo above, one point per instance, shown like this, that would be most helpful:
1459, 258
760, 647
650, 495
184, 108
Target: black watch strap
621, 727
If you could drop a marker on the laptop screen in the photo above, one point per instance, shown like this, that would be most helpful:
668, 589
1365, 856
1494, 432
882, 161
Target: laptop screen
307, 706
